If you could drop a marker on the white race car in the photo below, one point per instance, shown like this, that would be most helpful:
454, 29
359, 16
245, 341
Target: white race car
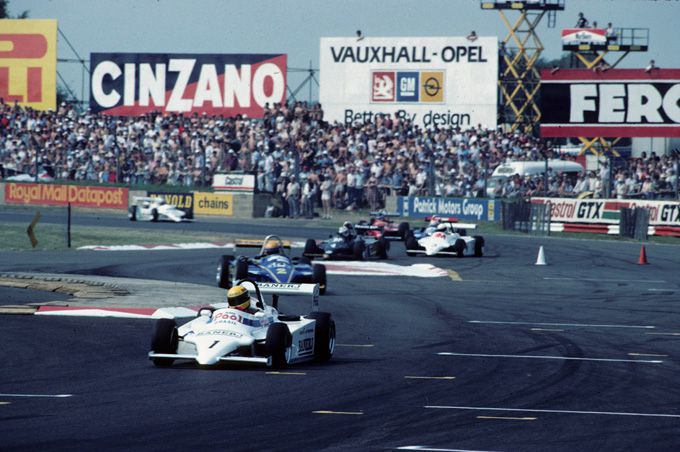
145, 208
448, 239
220, 333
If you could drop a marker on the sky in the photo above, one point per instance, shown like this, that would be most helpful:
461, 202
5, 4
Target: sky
294, 27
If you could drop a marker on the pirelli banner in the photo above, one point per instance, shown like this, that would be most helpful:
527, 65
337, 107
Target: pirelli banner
661, 213
434, 82
183, 201
217, 84
28, 62
61, 195
613, 103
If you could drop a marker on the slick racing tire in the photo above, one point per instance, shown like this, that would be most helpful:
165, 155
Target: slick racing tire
459, 248
319, 277
154, 215
241, 271
324, 335
311, 248
411, 244
381, 248
404, 229
358, 250
278, 345
223, 277
479, 245
164, 340
132, 213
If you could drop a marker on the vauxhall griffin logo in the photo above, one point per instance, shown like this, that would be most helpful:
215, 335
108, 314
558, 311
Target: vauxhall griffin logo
407, 86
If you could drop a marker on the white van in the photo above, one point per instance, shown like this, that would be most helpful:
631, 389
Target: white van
524, 168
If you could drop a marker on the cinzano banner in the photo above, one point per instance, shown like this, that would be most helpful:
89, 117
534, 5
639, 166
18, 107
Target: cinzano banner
434, 82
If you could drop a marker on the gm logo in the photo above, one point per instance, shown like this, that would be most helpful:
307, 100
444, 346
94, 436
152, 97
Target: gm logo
408, 86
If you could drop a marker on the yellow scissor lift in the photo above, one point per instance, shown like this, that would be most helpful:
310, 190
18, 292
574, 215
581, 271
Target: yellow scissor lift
519, 79
591, 56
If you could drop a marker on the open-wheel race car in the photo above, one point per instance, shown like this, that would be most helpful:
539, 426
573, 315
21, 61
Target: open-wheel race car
448, 238
260, 334
390, 229
272, 264
147, 208
363, 242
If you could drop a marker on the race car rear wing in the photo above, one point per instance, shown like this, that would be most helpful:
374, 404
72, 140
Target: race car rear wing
364, 228
278, 289
384, 214
464, 226
442, 219
254, 243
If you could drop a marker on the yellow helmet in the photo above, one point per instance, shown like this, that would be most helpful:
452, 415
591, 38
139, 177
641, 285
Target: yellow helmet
238, 298
271, 247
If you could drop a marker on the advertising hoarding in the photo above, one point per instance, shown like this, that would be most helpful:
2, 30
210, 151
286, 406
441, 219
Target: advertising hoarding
213, 204
468, 209
435, 82
61, 195
28, 62
611, 103
215, 84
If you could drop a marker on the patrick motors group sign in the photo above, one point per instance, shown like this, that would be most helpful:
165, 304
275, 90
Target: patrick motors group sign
216, 84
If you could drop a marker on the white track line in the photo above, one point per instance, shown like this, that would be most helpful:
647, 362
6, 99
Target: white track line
562, 324
568, 358
434, 449
645, 281
52, 396
528, 410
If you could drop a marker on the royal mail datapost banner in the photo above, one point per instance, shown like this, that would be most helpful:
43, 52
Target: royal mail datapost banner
216, 84
612, 103
61, 195
28, 62
435, 82
213, 204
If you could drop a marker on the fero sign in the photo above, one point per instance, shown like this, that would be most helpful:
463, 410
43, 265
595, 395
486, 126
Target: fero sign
216, 84
28, 62
613, 103
433, 82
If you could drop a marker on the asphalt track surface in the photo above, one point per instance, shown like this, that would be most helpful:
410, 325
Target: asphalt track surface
584, 355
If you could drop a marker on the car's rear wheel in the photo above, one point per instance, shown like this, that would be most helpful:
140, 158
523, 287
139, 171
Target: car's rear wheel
459, 248
404, 229
164, 340
241, 271
223, 277
132, 213
278, 345
411, 244
479, 245
358, 250
381, 248
319, 277
324, 335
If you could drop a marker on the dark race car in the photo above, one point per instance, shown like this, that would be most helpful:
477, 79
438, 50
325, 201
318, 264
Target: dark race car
362, 242
390, 229
272, 264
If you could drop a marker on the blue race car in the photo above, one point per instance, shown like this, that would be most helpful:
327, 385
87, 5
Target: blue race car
272, 264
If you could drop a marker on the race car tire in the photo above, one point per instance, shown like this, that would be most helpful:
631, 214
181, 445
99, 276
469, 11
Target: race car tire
319, 277
324, 335
164, 340
154, 215
479, 245
358, 250
459, 248
241, 271
404, 229
132, 213
223, 277
311, 248
278, 344
411, 244
381, 248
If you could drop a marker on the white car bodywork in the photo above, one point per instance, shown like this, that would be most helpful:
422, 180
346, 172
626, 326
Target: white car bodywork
221, 333
145, 208
443, 241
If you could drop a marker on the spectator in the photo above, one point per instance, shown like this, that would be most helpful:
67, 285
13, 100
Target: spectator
581, 22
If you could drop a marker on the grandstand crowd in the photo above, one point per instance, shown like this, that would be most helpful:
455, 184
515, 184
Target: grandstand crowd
299, 157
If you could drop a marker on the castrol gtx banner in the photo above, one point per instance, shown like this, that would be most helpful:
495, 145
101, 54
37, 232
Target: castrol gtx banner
28, 62
434, 82
611, 103
216, 84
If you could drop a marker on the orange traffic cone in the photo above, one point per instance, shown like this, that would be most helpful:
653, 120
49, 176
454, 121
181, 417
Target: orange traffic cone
643, 256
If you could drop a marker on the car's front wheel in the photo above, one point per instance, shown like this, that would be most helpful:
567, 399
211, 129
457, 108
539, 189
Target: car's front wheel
223, 276
459, 248
479, 246
132, 213
278, 345
164, 340
319, 277
324, 335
